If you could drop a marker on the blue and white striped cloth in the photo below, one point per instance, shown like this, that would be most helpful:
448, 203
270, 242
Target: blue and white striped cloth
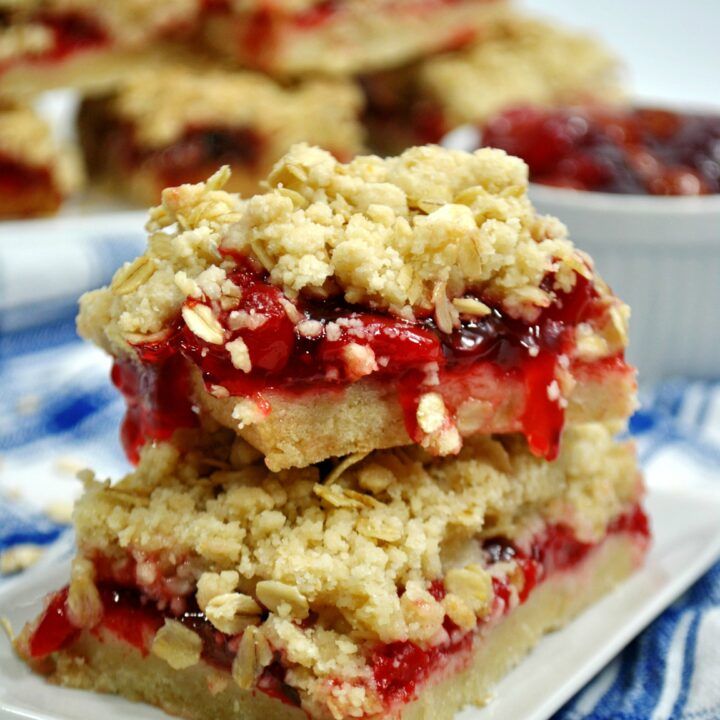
58, 412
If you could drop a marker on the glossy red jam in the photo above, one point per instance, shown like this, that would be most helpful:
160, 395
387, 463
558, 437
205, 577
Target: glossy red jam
156, 393
201, 149
129, 617
26, 191
54, 631
399, 668
638, 151
284, 358
72, 33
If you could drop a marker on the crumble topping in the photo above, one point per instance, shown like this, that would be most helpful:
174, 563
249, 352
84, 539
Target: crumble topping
26, 138
162, 105
519, 61
410, 235
24, 39
178, 645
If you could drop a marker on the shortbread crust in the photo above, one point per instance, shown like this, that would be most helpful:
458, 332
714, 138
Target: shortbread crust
368, 415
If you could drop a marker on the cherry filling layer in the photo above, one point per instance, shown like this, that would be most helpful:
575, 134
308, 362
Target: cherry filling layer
72, 33
190, 159
26, 190
320, 352
398, 115
399, 668
638, 151
205, 148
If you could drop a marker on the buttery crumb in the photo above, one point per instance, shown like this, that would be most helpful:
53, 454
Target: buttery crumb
20, 557
451, 222
178, 645
518, 60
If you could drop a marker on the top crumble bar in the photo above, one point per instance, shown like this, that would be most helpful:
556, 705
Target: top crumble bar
316, 317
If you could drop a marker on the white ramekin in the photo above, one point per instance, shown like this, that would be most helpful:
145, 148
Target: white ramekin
661, 255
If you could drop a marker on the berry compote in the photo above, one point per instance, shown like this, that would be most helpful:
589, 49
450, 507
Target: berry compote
642, 151
283, 359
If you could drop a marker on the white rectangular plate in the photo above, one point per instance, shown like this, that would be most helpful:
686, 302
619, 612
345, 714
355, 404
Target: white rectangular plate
686, 525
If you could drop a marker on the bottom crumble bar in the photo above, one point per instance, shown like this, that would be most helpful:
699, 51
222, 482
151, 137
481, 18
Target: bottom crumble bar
400, 586
202, 692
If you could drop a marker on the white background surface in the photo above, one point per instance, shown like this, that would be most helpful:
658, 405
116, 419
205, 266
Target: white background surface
671, 47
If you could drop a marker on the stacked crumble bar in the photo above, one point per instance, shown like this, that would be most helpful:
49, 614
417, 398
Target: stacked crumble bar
373, 413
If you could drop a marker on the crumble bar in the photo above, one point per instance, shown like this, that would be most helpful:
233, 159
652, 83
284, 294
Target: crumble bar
352, 307
177, 125
380, 587
516, 61
36, 173
342, 38
46, 44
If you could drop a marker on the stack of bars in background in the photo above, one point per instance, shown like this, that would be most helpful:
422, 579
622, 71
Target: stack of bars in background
374, 414
170, 91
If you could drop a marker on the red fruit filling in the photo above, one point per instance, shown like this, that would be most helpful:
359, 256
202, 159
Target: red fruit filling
26, 191
399, 668
72, 33
638, 151
54, 631
397, 115
205, 148
283, 359
199, 152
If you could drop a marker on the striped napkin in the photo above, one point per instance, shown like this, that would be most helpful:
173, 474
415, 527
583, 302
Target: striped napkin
58, 413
